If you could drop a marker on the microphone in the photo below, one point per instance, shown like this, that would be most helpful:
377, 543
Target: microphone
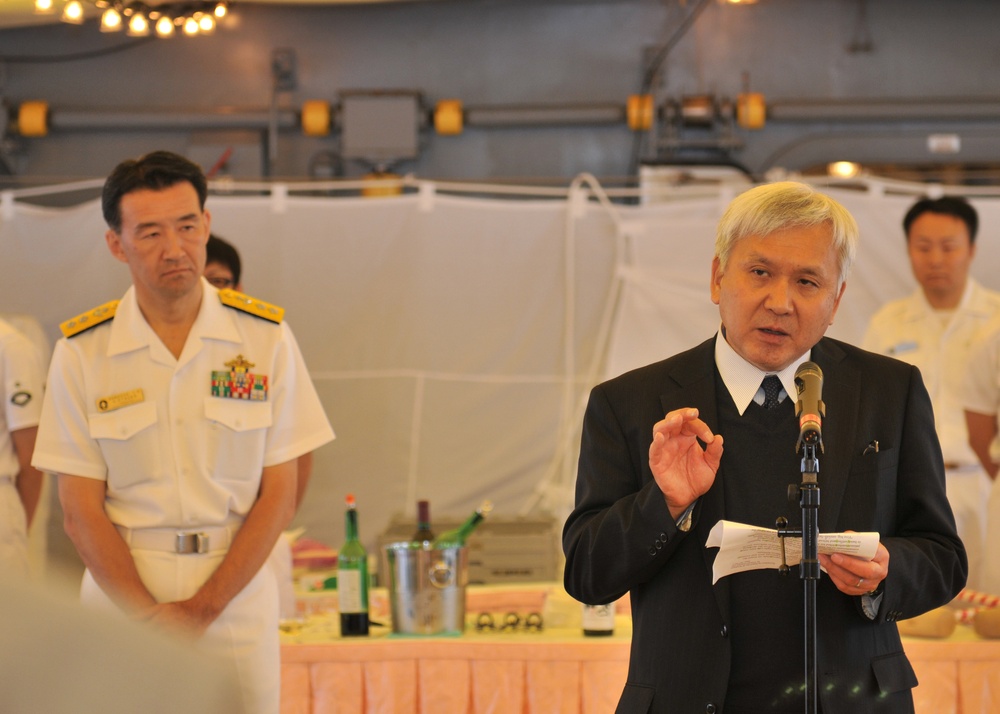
810, 408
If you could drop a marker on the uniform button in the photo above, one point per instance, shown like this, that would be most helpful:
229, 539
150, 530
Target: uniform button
652, 550
658, 545
724, 631
710, 708
663, 537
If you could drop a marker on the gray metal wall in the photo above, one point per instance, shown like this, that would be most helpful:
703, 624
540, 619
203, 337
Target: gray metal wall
515, 53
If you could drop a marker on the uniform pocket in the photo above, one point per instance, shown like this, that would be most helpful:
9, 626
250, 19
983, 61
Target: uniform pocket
122, 424
237, 437
238, 414
122, 434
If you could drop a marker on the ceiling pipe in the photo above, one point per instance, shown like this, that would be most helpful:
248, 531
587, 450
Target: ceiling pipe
810, 110
542, 115
76, 120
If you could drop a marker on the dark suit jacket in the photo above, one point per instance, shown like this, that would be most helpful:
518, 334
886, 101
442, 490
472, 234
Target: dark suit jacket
621, 538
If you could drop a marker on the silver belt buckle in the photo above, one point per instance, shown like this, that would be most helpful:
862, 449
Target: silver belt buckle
192, 543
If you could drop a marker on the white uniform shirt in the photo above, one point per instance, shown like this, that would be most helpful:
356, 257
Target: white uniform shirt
910, 330
173, 454
982, 381
22, 374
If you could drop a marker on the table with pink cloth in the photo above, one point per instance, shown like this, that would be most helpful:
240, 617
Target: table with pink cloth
550, 672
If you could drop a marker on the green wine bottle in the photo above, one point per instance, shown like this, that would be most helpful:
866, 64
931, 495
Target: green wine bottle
352, 578
456, 537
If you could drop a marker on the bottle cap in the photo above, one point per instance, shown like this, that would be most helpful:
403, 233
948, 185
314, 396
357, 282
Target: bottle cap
350, 500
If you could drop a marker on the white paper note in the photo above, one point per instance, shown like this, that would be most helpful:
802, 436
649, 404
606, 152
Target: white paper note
743, 547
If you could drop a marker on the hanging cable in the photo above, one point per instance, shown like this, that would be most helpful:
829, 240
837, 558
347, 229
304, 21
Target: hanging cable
654, 67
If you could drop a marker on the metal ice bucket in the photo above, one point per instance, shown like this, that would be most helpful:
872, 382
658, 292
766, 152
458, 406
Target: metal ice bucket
427, 588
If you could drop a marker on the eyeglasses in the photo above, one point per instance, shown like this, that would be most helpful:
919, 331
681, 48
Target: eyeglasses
220, 282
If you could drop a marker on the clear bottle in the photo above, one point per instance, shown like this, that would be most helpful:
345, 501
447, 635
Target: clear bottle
599, 620
424, 533
352, 578
456, 537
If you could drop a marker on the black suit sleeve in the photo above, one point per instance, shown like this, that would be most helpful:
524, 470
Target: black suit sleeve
927, 561
620, 532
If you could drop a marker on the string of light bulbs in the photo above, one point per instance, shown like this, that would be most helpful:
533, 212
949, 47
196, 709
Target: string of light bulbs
139, 19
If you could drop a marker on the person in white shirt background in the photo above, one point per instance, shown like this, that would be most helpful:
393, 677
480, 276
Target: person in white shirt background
933, 329
22, 376
982, 401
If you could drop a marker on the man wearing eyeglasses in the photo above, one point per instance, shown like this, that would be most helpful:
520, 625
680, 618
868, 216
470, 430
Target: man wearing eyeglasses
223, 269
222, 264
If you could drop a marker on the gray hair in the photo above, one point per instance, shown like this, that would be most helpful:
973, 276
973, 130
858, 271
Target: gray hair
776, 206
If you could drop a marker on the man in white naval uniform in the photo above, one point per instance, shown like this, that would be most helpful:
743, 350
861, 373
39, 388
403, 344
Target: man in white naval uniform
174, 420
22, 374
934, 329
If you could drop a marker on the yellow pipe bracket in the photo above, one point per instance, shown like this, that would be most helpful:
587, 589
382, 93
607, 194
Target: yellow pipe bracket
33, 118
639, 112
751, 111
315, 118
448, 117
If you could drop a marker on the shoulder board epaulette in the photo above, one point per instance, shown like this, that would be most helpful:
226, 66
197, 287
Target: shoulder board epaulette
91, 318
257, 308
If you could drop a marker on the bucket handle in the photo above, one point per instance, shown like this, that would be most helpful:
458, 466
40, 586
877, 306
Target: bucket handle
441, 575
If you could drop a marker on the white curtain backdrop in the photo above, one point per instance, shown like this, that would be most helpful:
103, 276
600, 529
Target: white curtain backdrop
453, 339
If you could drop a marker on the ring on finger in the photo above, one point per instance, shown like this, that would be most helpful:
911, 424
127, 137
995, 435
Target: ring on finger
860, 580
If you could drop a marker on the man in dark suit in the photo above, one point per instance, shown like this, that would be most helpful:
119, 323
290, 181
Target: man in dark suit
650, 487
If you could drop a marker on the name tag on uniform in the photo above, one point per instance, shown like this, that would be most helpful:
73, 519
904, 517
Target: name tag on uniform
117, 401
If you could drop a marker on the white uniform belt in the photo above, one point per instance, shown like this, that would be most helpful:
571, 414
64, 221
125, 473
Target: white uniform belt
184, 541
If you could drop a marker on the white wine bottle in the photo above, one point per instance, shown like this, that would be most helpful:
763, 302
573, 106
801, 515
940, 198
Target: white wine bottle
456, 537
352, 578
599, 620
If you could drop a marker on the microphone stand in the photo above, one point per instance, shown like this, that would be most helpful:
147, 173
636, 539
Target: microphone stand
809, 570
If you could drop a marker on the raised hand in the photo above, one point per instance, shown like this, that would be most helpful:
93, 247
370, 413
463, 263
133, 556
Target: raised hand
682, 468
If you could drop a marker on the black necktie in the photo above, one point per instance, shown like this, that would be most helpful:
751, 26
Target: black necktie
772, 386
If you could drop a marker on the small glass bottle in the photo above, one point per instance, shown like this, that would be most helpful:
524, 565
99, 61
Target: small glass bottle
456, 537
599, 620
352, 578
424, 533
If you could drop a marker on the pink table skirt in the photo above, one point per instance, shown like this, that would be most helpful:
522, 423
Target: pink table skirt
558, 670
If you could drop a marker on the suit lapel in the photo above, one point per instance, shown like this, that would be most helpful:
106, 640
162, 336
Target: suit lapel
692, 384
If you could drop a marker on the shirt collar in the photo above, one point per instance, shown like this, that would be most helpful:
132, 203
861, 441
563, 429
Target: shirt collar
130, 331
742, 379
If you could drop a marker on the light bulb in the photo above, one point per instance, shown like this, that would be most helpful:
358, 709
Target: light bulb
73, 12
190, 27
206, 24
138, 25
220, 10
44, 7
165, 26
843, 169
111, 20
